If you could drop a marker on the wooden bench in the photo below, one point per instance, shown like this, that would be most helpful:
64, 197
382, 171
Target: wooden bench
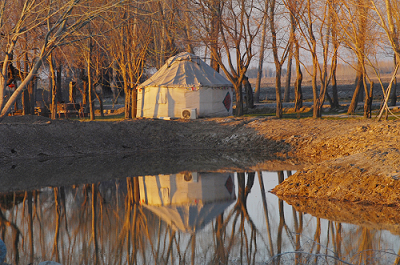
68, 110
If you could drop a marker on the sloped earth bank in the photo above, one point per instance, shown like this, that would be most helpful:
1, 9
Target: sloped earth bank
377, 217
355, 161
352, 160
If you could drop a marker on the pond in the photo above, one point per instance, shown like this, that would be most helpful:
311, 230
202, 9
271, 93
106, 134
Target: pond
191, 218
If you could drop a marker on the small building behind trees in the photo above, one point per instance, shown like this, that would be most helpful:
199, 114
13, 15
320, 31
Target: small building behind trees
185, 87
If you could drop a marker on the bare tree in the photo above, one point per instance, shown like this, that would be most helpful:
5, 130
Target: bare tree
67, 21
261, 55
292, 40
53, 88
314, 27
89, 75
298, 97
359, 21
131, 39
354, 27
294, 48
335, 41
393, 94
389, 22
279, 59
239, 25
163, 29
215, 27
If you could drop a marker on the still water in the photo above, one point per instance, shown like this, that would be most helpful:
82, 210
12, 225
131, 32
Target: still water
191, 218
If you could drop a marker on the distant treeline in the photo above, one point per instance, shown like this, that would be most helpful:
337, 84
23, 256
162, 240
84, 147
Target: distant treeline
344, 71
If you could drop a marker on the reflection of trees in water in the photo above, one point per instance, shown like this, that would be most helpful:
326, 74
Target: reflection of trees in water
266, 214
367, 248
306, 250
6, 222
85, 224
329, 244
135, 230
239, 218
105, 224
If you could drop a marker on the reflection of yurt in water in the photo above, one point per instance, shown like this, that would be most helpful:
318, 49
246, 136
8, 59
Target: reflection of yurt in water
187, 201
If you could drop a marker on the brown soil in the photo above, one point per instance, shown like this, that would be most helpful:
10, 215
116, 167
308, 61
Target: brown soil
377, 217
353, 160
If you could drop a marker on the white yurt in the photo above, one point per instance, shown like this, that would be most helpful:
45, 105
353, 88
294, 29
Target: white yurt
185, 87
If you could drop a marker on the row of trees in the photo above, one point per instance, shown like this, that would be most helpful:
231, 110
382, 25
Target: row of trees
129, 37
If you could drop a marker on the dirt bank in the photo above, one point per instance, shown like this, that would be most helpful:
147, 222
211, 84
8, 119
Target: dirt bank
352, 160
348, 160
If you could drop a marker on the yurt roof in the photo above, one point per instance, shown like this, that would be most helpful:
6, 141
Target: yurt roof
186, 70
189, 218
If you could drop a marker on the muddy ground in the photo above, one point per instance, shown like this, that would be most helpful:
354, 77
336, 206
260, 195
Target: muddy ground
354, 160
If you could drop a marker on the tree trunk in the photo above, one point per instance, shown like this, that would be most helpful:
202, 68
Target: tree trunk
128, 105
368, 100
72, 92
360, 35
84, 91
316, 105
59, 82
100, 99
354, 101
189, 46
4, 79
278, 64
261, 58
286, 94
384, 106
33, 93
31, 97
298, 101
393, 99
166, 40
239, 100
114, 86
393, 96
134, 102
53, 88
215, 29
328, 97
26, 103
278, 91
90, 88
249, 93
317, 111
335, 98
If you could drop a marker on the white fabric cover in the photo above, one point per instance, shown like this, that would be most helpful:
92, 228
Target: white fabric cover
185, 82
186, 70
